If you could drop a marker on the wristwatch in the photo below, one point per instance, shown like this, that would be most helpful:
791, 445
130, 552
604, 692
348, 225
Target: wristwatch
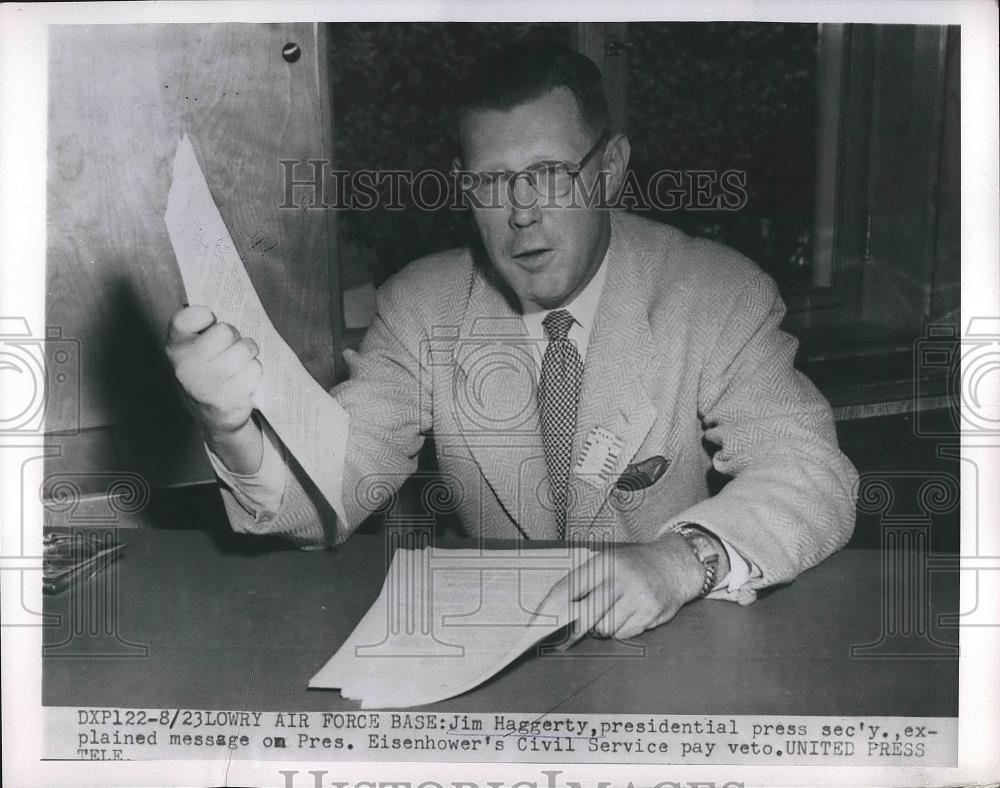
705, 551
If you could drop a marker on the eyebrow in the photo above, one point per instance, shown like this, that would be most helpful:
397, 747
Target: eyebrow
602, 137
497, 168
527, 168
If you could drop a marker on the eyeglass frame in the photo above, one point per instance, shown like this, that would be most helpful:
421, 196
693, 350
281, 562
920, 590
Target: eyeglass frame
533, 170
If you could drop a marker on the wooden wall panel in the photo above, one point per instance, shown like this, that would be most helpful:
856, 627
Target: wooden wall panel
120, 97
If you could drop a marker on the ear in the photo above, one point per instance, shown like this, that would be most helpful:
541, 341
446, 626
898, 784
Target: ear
616, 156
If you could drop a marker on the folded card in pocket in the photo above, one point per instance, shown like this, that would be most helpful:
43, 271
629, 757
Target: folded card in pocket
641, 475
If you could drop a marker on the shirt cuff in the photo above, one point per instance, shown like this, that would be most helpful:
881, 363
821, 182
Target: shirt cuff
741, 569
260, 492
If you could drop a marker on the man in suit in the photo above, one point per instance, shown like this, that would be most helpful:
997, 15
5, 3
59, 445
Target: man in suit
584, 372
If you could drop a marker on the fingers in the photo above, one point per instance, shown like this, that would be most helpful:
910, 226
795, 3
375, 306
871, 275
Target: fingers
588, 576
220, 391
620, 622
213, 357
590, 592
234, 359
607, 626
217, 369
633, 626
630, 616
586, 612
575, 635
244, 383
575, 585
203, 377
187, 322
194, 333
593, 607
214, 341
620, 594
228, 405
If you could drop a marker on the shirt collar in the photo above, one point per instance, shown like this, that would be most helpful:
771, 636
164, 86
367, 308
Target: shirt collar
583, 307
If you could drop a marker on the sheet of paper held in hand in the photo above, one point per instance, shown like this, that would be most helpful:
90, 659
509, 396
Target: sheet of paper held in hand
447, 620
306, 418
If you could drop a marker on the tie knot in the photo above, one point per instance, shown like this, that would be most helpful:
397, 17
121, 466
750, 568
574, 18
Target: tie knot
557, 324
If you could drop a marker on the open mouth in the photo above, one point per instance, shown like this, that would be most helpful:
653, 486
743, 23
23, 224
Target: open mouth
530, 255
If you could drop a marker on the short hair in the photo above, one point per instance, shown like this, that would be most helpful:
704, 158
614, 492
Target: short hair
522, 71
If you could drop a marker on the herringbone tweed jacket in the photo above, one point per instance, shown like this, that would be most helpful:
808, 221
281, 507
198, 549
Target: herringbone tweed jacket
686, 361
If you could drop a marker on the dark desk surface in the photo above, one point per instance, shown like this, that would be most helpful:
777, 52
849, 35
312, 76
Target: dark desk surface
228, 624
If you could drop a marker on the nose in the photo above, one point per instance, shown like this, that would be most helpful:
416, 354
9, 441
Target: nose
524, 207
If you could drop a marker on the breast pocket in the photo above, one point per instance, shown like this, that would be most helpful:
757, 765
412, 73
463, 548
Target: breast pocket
645, 481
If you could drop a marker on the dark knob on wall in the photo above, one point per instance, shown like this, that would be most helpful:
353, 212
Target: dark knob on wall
291, 52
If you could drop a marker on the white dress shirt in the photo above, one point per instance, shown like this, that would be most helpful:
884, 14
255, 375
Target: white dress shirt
260, 492
583, 308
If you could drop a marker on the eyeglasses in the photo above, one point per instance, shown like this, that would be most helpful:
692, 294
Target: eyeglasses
547, 178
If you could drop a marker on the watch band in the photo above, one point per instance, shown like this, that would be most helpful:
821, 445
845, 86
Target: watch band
705, 552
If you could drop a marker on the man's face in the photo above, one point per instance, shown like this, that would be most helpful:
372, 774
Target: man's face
545, 251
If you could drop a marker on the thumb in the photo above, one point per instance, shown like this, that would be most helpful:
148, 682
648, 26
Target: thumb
187, 322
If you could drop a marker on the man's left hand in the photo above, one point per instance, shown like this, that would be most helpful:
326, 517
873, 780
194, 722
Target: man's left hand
626, 589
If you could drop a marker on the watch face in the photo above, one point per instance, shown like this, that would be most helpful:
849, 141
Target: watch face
706, 552
701, 543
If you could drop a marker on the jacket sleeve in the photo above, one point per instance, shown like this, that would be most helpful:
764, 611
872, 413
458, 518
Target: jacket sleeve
789, 502
388, 398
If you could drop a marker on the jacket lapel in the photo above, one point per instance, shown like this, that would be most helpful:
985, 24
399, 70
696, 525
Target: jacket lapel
496, 406
617, 375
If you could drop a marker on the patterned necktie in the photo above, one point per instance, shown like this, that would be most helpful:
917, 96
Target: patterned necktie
558, 396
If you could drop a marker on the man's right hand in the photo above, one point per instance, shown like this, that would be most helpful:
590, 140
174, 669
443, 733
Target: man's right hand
218, 372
